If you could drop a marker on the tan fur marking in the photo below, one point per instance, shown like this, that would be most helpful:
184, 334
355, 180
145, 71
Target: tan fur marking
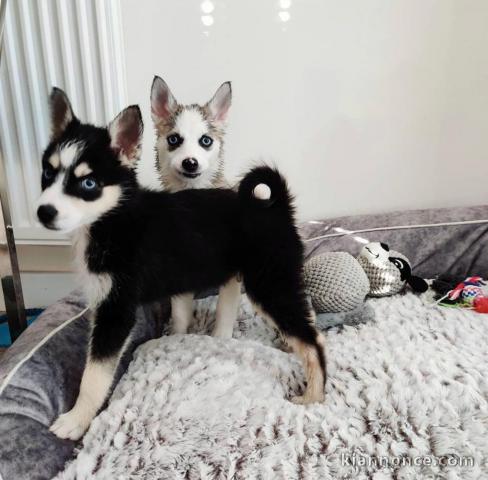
315, 377
163, 127
82, 169
315, 391
54, 160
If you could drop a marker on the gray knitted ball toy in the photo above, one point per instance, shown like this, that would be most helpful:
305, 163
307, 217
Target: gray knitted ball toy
335, 282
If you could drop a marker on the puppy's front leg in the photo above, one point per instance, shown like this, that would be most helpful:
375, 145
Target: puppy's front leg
95, 384
112, 323
227, 306
181, 312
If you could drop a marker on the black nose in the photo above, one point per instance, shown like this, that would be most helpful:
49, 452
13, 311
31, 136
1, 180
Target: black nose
47, 213
190, 164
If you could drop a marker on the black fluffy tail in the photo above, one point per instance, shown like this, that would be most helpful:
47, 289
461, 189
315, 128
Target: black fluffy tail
264, 187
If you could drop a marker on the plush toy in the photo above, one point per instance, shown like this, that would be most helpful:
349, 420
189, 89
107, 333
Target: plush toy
338, 283
388, 271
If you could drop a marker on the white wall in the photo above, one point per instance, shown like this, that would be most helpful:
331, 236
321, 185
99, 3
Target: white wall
366, 105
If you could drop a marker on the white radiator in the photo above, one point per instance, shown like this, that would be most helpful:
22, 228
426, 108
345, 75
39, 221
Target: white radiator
76, 45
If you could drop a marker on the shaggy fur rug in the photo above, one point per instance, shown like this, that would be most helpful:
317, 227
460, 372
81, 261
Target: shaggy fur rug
407, 398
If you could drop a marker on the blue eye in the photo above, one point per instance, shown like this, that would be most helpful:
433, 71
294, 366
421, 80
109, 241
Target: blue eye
205, 141
88, 184
174, 139
48, 173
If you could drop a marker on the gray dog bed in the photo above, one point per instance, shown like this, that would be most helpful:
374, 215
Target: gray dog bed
384, 378
410, 385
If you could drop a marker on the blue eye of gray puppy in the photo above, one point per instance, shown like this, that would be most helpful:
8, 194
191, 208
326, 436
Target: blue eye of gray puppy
174, 140
205, 141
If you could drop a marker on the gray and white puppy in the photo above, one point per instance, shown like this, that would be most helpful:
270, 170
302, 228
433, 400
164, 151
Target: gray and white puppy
189, 138
190, 154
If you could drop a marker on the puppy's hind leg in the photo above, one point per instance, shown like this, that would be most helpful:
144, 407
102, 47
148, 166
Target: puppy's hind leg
290, 313
227, 306
313, 359
181, 312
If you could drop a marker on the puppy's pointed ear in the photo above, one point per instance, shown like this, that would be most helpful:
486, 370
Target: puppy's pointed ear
218, 107
61, 112
163, 103
125, 132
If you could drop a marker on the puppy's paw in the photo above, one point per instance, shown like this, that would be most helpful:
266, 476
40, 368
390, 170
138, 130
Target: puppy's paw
179, 328
71, 425
307, 399
284, 347
222, 332
298, 400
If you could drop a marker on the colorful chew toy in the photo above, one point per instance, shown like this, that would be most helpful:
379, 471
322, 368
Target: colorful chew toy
471, 293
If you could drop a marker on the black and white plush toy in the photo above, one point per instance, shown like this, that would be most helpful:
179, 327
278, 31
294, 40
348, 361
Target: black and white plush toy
388, 271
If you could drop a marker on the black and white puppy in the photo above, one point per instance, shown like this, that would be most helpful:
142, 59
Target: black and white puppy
190, 154
136, 245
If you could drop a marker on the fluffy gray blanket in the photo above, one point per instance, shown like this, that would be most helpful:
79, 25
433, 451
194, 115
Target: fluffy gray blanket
407, 398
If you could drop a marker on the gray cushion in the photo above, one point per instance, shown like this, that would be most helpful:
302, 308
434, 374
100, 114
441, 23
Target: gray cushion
434, 249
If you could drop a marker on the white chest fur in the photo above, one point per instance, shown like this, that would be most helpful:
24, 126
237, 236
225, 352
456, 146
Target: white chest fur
96, 286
